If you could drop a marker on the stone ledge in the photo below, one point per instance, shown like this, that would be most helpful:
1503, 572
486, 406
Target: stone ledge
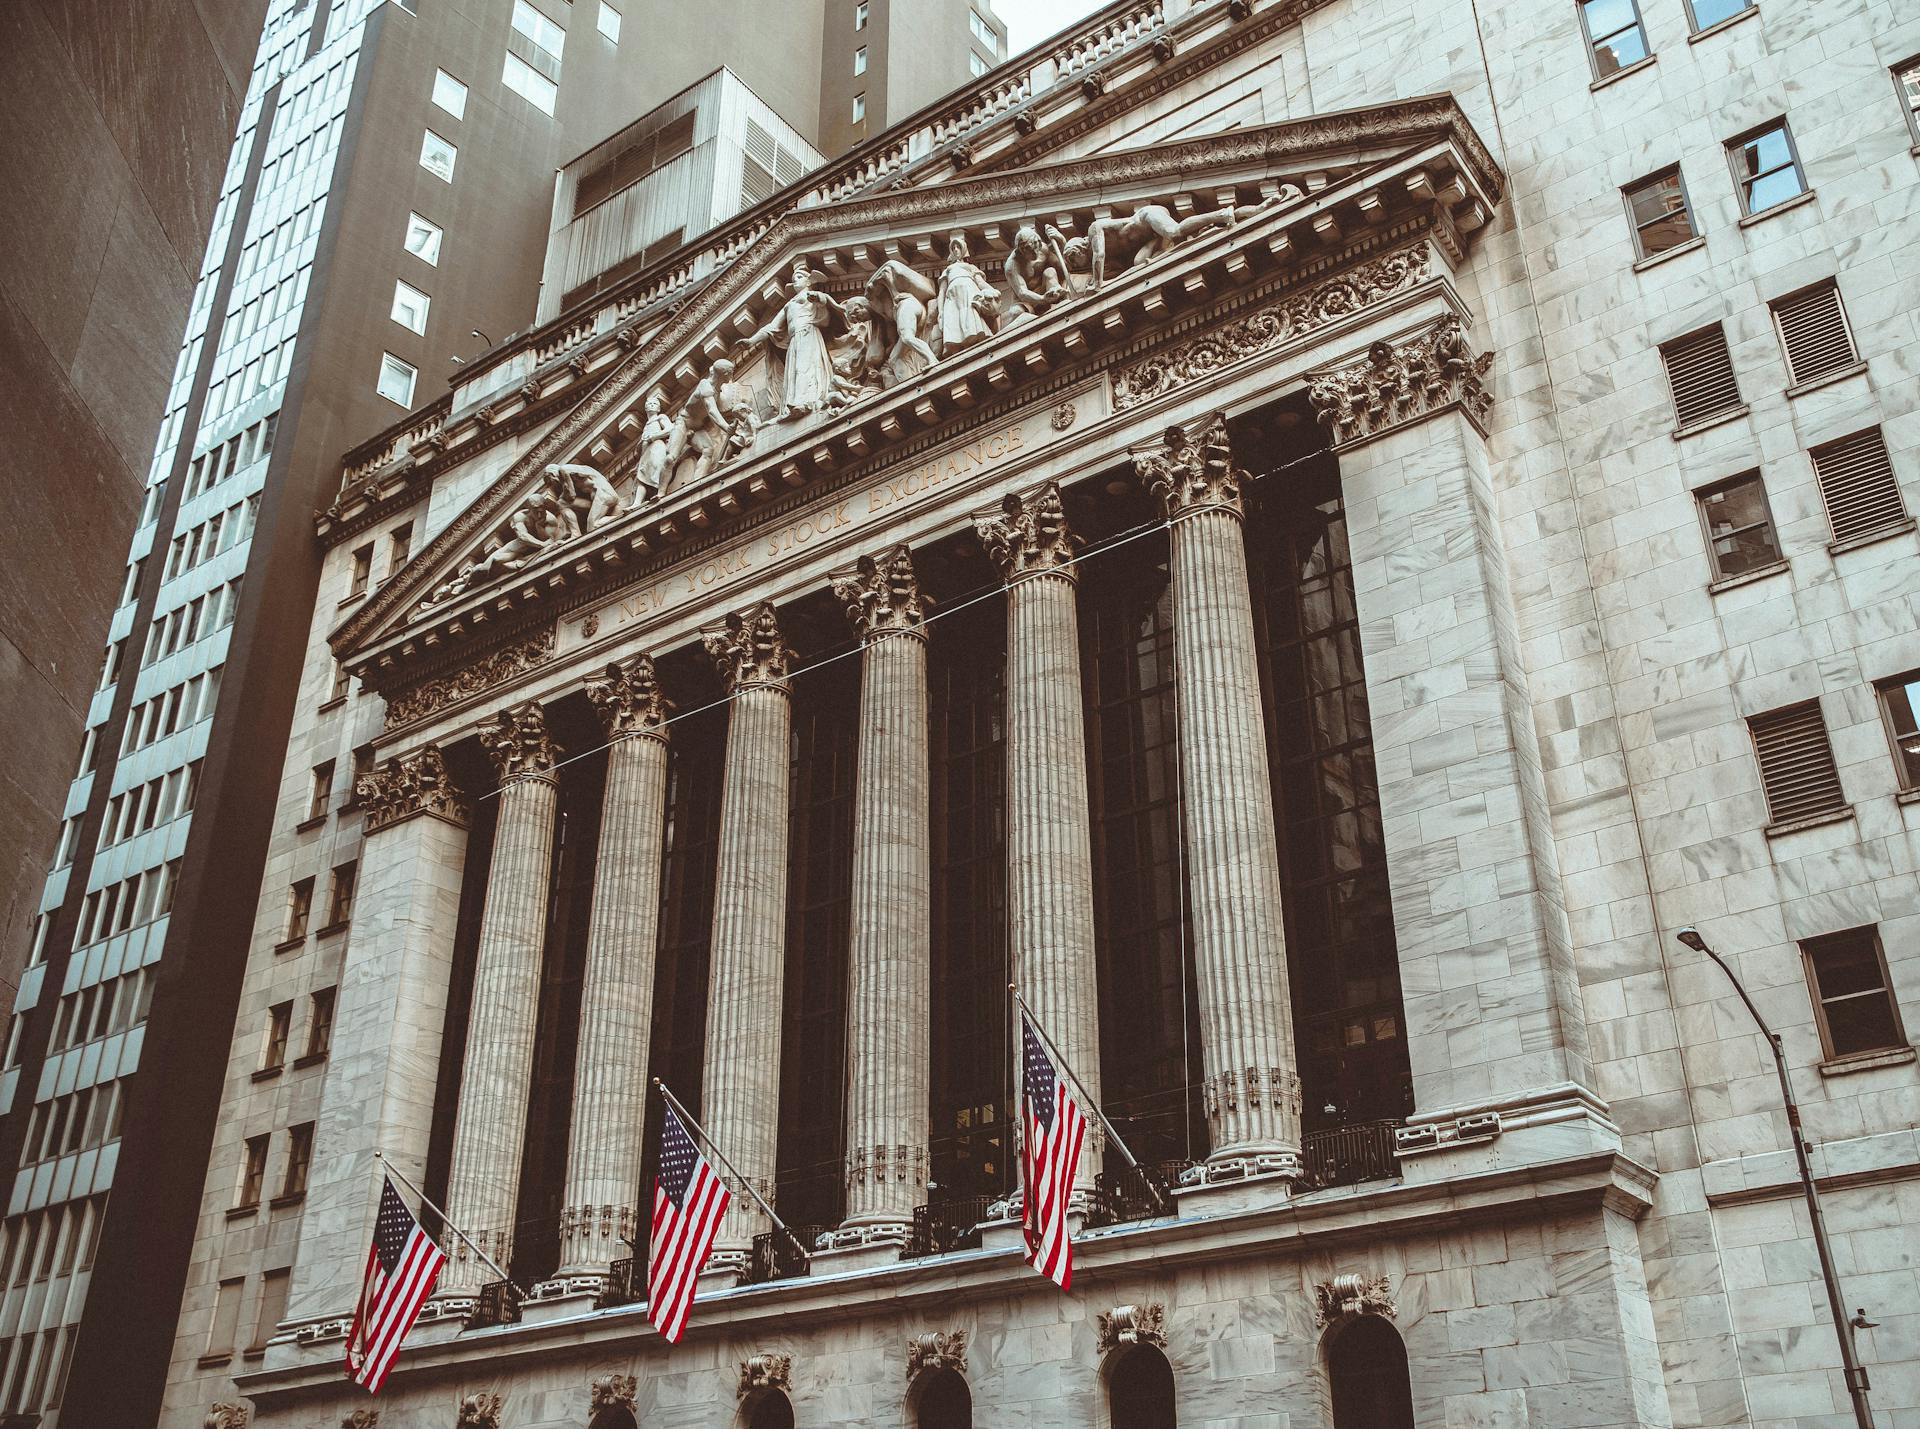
1653, 260
1868, 1061
1758, 573
1856, 368
1785, 205
1870, 538
1644, 62
1769, 1175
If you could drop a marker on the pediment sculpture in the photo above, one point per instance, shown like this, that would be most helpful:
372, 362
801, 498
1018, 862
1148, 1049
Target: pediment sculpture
570, 501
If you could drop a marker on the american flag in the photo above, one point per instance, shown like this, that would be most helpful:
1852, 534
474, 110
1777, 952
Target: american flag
402, 1265
688, 1201
1049, 1158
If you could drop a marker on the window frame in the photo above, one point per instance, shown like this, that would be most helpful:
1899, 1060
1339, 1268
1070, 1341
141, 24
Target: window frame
1910, 107
1882, 688
859, 61
859, 108
1742, 186
533, 32
403, 293
320, 791
299, 1165
600, 22
1700, 495
458, 109
279, 1032
428, 137
519, 77
1627, 192
860, 16
299, 909
431, 257
1774, 305
389, 363
1871, 932
1593, 45
1694, 27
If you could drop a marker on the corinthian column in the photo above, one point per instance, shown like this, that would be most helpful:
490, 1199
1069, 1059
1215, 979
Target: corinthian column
892, 914
616, 999
741, 1097
1233, 870
483, 1186
1049, 840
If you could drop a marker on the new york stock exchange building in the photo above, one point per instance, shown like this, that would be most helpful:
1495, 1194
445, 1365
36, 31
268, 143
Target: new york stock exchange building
1219, 526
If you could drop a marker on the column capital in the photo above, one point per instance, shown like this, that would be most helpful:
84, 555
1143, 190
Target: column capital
518, 743
1192, 470
1028, 535
882, 595
409, 784
628, 698
749, 650
1403, 382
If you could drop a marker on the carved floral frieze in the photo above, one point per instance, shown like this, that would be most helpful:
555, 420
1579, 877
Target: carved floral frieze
1133, 1325
937, 1349
1271, 325
1401, 382
489, 670
1351, 1294
882, 595
1029, 535
628, 698
409, 784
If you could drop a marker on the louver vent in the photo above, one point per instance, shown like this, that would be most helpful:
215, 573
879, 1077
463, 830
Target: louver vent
1858, 486
1796, 764
1700, 372
1813, 329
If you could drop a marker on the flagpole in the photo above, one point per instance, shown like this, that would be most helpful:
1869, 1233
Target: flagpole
1088, 1098
447, 1221
760, 1200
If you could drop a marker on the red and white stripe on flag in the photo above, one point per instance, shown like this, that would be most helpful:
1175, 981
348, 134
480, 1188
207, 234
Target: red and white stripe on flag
403, 1264
1049, 1159
688, 1202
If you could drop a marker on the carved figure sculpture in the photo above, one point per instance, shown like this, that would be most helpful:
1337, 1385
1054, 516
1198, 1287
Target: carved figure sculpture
968, 304
1146, 233
899, 299
654, 437
714, 425
858, 356
591, 490
1037, 268
480, 1411
796, 343
546, 518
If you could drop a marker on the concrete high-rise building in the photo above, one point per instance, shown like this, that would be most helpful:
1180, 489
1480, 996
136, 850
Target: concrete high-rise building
884, 59
1315, 536
381, 222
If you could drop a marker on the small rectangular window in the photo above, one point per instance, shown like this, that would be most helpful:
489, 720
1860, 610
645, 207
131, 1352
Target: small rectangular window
1739, 525
1766, 167
449, 94
1657, 207
423, 239
1615, 38
279, 1026
859, 108
1813, 332
1852, 994
1705, 14
410, 307
273, 1309
609, 22
362, 571
399, 547
531, 85
1900, 710
320, 1024
396, 380
299, 909
983, 32
320, 795
340, 903
1857, 485
860, 60
1700, 376
860, 15
342, 682
1796, 764
975, 64
253, 1174
226, 1319
1906, 79
437, 156
299, 1158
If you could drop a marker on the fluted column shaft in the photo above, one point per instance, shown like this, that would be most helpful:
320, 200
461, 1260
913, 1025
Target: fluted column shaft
1049, 838
490, 1130
599, 1214
740, 1101
888, 1110
1233, 872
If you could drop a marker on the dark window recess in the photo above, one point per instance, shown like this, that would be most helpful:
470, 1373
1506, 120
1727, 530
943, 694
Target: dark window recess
1615, 37
1368, 1375
1342, 956
1700, 375
1796, 763
1661, 218
1857, 485
1813, 330
1140, 1389
1739, 525
633, 163
1151, 1074
810, 1184
970, 1085
1852, 994
1900, 709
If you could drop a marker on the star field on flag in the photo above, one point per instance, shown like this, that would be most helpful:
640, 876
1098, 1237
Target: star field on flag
688, 1202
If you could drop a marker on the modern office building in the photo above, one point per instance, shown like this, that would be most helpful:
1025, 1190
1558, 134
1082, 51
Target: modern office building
1314, 536
380, 225
883, 59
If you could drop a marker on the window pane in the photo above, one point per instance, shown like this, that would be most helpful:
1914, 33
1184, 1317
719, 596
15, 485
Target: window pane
609, 22
410, 307
1712, 12
1910, 86
1847, 965
1861, 1024
538, 28
437, 156
1902, 701
1660, 215
449, 94
423, 238
396, 380
1739, 527
1619, 51
1776, 187
527, 82
860, 60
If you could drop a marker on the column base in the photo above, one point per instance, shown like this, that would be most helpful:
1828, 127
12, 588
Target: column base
1547, 1123
859, 1255
568, 1293
724, 1270
1229, 1194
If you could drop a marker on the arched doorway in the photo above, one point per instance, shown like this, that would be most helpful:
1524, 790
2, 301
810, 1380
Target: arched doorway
941, 1400
1367, 1368
614, 1416
767, 1408
1140, 1389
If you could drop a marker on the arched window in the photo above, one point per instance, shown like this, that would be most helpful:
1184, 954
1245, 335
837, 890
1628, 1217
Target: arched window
941, 1400
1367, 1366
614, 1416
1140, 1389
767, 1408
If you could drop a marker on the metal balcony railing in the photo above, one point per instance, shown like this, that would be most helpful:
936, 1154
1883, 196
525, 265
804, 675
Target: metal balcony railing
498, 1303
625, 1285
1348, 1155
1127, 1194
774, 1257
941, 1226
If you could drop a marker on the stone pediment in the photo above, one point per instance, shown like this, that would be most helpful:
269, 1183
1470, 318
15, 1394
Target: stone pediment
850, 329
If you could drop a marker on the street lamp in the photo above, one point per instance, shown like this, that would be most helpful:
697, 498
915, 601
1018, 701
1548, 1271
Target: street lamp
1842, 1326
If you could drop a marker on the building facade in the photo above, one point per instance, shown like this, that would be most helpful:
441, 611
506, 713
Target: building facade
1310, 537
382, 218
880, 61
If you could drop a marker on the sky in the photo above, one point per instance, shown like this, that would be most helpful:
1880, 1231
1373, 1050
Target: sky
1031, 21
